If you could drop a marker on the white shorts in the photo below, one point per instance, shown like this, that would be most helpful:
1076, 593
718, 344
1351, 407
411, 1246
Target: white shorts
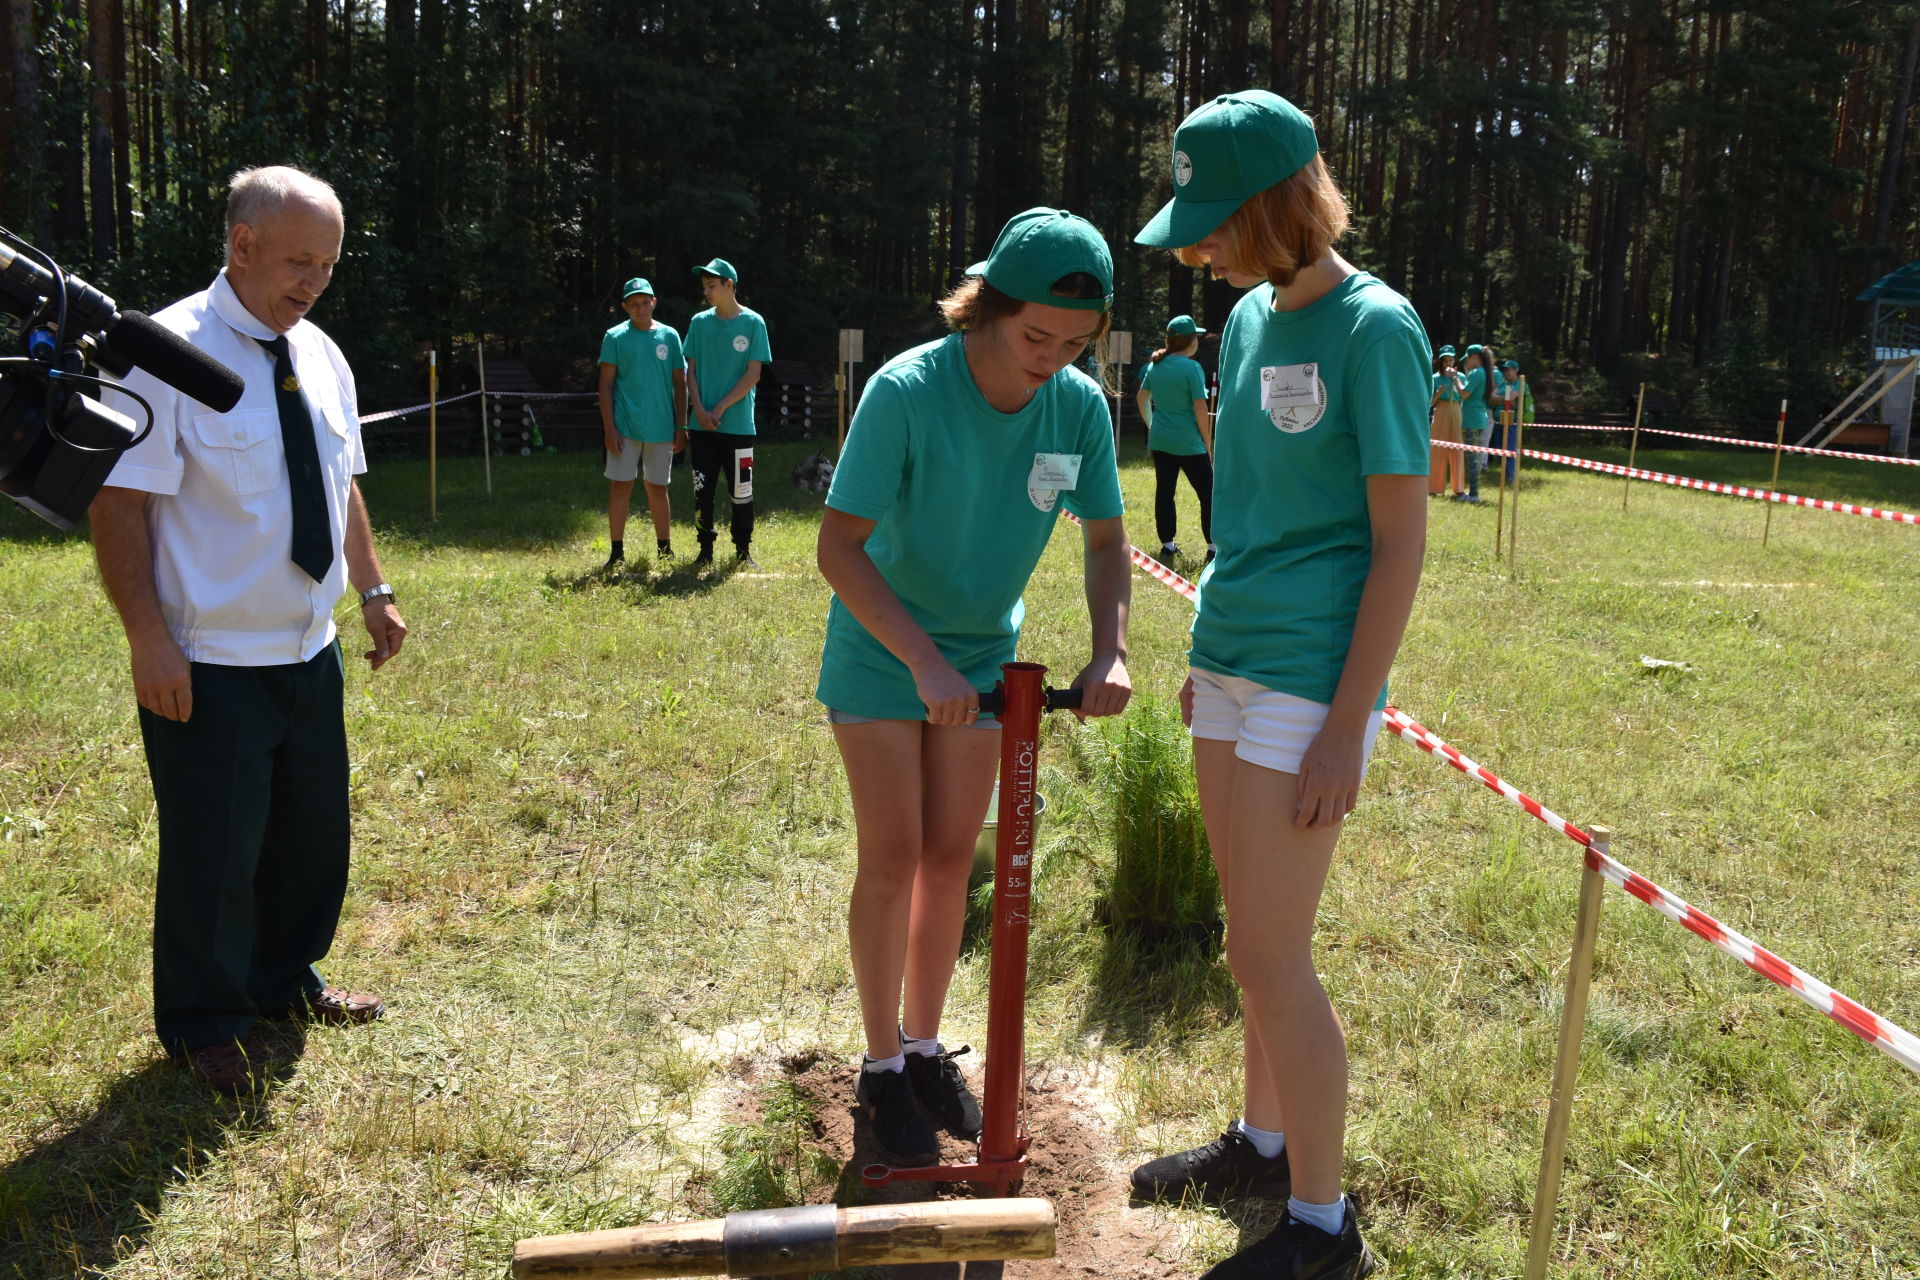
1267, 727
636, 456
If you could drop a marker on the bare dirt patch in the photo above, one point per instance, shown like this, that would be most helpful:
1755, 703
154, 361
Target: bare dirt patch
1070, 1162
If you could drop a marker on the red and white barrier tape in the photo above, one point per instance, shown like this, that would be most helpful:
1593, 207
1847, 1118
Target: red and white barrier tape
1733, 490
415, 408
1841, 454
468, 395
1890, 1038
1688, 482
1425, 739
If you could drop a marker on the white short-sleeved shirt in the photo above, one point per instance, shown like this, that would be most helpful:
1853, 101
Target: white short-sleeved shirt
222, 517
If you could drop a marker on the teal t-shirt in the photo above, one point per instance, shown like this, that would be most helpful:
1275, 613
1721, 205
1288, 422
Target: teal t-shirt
1175, 383
1312, 402
1446, 388
719, 350
1474, 412
953, 486
644, 362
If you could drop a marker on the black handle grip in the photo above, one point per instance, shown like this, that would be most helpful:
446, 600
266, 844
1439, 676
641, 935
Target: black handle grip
995, 701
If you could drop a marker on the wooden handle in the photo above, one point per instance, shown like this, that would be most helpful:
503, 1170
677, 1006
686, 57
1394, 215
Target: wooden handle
797, 1241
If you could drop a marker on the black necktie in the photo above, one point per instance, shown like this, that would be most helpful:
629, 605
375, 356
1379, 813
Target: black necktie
312, 534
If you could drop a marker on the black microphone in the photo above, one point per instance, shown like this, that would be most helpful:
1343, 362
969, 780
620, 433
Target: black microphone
128, 337
140, 340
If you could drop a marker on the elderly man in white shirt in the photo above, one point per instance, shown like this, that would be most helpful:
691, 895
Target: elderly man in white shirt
225, 540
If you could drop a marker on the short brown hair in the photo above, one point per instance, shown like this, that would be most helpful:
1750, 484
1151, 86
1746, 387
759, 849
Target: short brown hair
1292, 224
975, 304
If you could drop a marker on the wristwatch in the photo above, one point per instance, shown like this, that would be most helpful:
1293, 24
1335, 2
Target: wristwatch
371, 594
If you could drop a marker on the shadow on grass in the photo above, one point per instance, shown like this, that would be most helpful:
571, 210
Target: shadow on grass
1151, 989
19, 528
79, 1203
641, 580
548, 499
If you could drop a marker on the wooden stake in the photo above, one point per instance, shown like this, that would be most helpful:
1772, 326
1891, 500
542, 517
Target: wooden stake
814, 1238
840, 390
1779, 438
1566, 1064
1500, 507
486, 415
433, 435
1633, 450
1513, 525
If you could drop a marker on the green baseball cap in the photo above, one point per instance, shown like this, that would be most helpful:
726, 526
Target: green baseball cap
718, 267
1183, 326
1042, 246
1234, 147
638, 284
1444, 351
1474, 349
1509, 364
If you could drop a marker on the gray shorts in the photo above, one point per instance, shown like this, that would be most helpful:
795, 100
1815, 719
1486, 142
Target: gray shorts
847, 717
653, 458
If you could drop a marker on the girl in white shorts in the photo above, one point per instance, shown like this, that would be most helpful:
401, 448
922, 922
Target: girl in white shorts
1320, 518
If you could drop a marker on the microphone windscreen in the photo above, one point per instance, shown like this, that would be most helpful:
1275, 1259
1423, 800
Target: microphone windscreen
142, 341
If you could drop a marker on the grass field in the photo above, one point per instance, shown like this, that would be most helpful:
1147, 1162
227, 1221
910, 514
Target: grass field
603, 845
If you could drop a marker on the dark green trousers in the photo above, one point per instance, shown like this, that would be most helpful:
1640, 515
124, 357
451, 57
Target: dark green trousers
252, 798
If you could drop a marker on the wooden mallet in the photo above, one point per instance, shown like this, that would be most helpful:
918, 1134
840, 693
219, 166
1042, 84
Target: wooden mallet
778, 1242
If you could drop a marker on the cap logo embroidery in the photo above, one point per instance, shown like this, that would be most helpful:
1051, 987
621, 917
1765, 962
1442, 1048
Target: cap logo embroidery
1182, 169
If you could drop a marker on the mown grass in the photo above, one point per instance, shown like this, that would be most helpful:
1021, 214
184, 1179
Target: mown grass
603, 845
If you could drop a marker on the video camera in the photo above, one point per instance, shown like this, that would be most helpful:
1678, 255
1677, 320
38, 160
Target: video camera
57, 446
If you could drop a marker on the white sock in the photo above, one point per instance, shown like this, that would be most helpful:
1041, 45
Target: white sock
1268, 1142
928, 1047
1327, 1217
898, 1062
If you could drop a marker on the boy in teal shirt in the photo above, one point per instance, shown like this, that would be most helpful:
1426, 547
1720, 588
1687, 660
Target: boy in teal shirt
726, 349
643, 401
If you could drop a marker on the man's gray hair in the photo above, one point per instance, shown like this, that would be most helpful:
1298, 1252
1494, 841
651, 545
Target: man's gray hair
257, 196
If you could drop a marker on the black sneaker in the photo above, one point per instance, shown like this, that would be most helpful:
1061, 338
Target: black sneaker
943, 1091
1227, 1166
744, 560
704, 559
614, 564
899, 1130
664, 550
1299, 1251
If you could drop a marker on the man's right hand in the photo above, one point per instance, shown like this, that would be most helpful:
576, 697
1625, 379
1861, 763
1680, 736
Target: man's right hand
162, 678
613, 443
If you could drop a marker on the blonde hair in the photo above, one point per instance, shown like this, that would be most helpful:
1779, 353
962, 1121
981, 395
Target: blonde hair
1292, 224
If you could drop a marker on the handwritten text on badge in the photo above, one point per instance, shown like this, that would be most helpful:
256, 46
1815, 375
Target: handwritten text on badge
1289, 386
1054, 471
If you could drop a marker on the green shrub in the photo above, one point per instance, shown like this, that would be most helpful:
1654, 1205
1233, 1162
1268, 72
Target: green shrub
1164, 885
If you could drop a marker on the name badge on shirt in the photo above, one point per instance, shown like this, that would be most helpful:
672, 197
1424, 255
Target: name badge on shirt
1289, 386
1051, 473
1055, 471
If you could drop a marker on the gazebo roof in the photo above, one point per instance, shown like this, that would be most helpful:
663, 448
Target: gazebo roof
1899, 288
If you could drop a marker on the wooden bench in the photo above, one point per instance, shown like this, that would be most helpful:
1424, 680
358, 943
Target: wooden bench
1863, 435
